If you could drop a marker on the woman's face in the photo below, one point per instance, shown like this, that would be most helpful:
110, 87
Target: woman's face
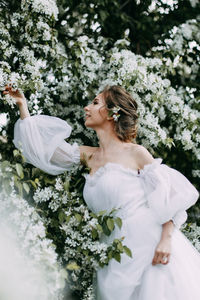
96, 113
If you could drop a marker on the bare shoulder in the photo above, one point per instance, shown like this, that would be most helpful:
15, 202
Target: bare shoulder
86, 151
141, 155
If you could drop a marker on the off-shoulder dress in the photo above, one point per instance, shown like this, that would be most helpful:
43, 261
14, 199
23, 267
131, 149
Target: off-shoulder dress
146, 200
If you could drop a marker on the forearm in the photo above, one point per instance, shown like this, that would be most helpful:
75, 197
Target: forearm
23, 108
168, 229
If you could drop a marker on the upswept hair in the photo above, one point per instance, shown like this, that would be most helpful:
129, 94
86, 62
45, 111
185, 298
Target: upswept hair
126, 125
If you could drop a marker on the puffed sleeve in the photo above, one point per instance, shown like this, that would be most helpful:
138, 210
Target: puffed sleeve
168, 192
41, 139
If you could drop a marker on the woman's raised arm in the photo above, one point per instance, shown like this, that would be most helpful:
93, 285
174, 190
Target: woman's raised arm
19, 99
41, 139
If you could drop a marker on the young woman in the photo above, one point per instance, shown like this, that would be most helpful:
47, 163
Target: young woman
152, 198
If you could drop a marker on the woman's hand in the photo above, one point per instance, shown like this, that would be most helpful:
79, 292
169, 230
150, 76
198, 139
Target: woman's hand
163, 249
20, 100
16, 94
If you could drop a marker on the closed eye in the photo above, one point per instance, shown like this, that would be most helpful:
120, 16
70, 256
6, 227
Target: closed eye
95, 101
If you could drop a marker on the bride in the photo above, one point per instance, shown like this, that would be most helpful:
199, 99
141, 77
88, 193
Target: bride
152, 197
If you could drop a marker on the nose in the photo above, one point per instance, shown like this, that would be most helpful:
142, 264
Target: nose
86, 108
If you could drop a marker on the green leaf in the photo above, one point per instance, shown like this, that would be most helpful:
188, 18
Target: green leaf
99, 227
66, 185
78, 217
26, 187
85, 252
61, 216
110, 224
112, 211
94, 234
78, 182
67, 218
101, 213
37, 180
115, 241
118, 221
120, 247
127, 251
110, 254
48, 180
117, 257
19, 170
103, 15
15, 152
33, 184
92, 215
106, 231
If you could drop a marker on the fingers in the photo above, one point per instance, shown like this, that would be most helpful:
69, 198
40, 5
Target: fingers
8, 89
155, 259
160, 258
8, 86
5, 92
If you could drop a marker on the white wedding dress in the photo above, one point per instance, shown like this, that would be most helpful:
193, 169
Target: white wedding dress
145, 201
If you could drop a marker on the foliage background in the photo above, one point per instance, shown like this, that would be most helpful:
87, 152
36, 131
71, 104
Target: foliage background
62, 53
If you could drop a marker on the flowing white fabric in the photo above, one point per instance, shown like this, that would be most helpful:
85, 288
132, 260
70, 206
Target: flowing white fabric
41, 139
145, 201
176, 193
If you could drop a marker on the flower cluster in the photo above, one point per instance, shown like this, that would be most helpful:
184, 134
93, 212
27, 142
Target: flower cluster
55, 197
179, 51
47, 7
115, 113
30, 233
192, 232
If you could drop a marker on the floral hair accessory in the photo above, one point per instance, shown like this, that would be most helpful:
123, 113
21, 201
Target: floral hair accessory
114, 113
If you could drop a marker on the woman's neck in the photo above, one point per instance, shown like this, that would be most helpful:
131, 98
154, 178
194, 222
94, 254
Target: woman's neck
108, 140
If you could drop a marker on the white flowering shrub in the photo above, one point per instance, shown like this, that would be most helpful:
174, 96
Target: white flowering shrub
192, 232
180, 52
59, 76
38, 251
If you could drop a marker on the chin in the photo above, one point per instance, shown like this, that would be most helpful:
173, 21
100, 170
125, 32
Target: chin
89, 125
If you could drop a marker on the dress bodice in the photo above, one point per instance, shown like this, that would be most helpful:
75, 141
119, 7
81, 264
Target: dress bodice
114, 186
